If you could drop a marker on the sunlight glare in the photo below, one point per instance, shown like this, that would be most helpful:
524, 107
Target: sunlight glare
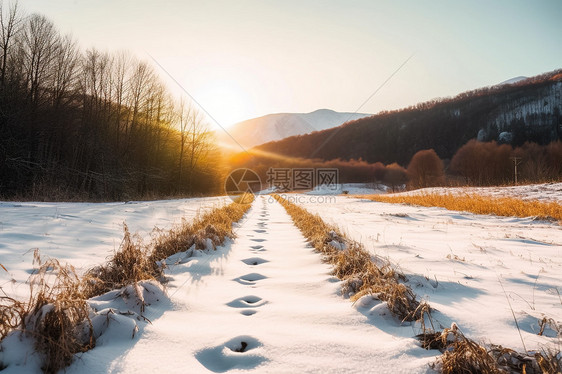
226, 101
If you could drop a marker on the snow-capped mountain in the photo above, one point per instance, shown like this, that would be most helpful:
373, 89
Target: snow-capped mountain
513, 80
282, 125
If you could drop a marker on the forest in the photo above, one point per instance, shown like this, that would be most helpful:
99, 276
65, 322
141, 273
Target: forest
475, 163
92, 125
528, 111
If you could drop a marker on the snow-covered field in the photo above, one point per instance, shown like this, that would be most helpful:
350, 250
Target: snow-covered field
267, 303
472, 268
82, 234
546, 192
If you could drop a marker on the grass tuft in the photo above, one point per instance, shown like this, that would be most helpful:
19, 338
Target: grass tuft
354, 265
478, 204
211, 228
57, 314
129, 265
463, 355
11, 312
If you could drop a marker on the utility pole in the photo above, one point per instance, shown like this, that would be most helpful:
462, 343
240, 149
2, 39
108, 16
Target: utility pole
516, 162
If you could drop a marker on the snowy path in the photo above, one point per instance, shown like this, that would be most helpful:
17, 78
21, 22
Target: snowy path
269, 295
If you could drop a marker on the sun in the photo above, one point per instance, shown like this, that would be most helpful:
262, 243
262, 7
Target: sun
226, 101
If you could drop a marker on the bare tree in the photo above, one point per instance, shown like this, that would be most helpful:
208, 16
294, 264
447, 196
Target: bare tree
66, 68
184, 112
120, 75
39, 47
10, 24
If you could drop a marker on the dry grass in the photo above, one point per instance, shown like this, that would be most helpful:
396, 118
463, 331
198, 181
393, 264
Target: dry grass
11, 311
353, 264
129, 265
500, 206
463, 355
57, 313
210, 229
466, 356
361, 276
135, 261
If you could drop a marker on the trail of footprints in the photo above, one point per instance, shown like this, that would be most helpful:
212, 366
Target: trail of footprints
237, 352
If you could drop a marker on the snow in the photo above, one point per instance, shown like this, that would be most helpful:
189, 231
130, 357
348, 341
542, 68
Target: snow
513, 80
461, 263
266, 302
82, 234
347, 188
278, 126
545, 192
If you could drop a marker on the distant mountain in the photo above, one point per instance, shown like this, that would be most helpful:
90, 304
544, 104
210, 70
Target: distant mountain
281, 125
513, 80
530, 110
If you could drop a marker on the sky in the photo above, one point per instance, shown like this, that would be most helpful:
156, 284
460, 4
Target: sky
247, 58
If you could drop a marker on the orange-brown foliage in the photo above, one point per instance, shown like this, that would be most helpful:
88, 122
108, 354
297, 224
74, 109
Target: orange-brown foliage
426, 170
483, 163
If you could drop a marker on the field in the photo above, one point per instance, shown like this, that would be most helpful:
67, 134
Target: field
267, 302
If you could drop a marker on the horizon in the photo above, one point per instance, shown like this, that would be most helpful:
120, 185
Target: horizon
246, 60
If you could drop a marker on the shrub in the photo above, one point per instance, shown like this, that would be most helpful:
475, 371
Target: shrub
395, 176
483, 163
425, 170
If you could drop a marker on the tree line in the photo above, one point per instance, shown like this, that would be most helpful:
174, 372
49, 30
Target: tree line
92, 124
475, 163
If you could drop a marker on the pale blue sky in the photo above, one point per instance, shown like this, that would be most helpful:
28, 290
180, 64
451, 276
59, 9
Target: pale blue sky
247, 58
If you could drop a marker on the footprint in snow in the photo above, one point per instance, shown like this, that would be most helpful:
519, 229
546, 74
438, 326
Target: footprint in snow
249, 279
260, 231
249, 301
248, 312
259, 240
241, 352
253, 261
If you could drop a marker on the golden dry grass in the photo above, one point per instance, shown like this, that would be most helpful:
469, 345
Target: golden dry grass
136, 261
215, 225
479, 204
466, 356
362, 276
354, 265
129, 265
463, 355
57, 314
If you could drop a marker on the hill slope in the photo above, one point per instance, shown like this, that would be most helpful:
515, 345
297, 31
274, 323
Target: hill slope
281, 125
529, 110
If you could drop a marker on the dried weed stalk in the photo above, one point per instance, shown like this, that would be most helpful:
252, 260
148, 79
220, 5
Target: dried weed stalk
354, 265
56, 314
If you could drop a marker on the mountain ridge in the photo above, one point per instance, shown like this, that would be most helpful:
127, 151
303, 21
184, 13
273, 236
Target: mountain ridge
277, 126
529, 110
